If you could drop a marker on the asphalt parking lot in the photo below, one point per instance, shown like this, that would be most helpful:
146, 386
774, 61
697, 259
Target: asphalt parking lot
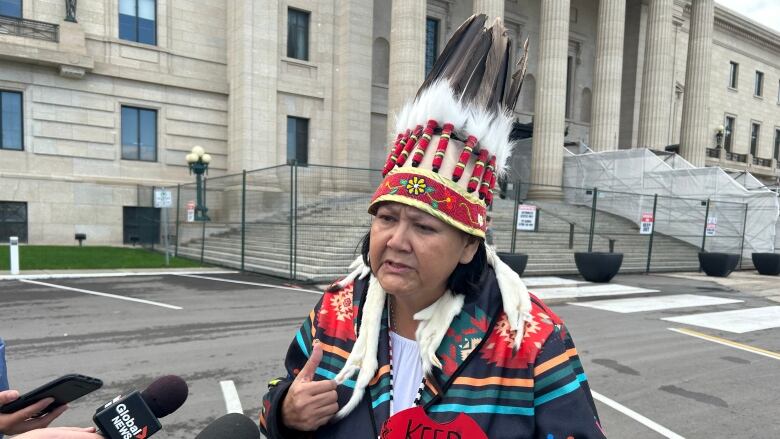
653, 377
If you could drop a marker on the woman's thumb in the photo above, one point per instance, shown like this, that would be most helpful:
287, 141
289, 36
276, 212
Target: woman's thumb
307, 373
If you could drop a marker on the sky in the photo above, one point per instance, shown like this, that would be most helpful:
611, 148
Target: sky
766, 12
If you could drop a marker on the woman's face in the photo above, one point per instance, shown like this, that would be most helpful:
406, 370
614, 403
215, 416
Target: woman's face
413, 253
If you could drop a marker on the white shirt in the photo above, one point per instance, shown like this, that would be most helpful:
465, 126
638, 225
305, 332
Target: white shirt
407, 372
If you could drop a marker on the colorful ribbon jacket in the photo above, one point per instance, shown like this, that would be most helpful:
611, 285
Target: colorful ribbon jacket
538, 392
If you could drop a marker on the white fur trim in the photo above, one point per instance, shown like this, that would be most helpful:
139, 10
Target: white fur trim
514, 295
363, 357
434, 322
360, 270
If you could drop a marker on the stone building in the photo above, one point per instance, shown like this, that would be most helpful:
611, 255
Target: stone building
95, 106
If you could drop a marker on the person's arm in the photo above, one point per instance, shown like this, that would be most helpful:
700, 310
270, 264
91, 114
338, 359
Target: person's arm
61, 433
22, 420
296, 405
564, 404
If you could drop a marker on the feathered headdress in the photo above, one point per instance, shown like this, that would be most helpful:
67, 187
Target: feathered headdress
452, 145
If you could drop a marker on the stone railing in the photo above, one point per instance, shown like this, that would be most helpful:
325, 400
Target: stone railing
713, 153
762, 162
29, 28
735, 157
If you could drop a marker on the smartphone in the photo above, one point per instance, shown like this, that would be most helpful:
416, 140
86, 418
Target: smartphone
64, 390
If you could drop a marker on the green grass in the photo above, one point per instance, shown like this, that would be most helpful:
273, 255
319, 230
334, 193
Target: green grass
49, 257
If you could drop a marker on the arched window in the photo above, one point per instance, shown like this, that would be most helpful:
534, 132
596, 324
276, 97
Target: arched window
380, 72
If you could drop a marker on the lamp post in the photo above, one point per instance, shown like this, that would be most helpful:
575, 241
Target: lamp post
198, 162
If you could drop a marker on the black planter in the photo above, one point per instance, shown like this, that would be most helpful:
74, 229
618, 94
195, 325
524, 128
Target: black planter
767, 263
515, 261
598, 266
718, 264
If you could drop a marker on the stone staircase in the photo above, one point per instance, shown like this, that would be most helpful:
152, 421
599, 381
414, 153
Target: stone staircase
329, 232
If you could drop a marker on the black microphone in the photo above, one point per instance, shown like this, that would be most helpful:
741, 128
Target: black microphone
231, 426
136, 414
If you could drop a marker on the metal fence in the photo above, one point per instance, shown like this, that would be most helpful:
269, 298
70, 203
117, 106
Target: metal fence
306, 223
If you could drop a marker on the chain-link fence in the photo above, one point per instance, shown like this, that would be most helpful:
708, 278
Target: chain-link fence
306, 223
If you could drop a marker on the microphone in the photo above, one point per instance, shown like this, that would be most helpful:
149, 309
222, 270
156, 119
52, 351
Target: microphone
231, 426
136, 414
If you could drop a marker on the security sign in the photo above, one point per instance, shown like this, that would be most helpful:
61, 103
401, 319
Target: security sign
190, 211
526, 217
646, 225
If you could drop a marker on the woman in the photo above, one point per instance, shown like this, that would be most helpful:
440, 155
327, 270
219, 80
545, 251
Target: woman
431, 330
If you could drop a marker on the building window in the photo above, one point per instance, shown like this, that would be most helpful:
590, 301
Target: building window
431, 43
728, 135
733, 74
297, 140
759, 89
298, 34
13, 220
777, 144
139, 134
138, 21
755, 133
11, 120
11, 8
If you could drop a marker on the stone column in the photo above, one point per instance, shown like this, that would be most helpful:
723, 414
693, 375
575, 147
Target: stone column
605, 122
550, 106
252, 66
352, 85
657, 77
695, 133
491, 8
407, 55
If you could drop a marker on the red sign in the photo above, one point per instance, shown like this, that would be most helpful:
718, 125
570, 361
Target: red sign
414, 423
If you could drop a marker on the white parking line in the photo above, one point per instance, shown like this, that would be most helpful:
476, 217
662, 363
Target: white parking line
581, 291
257, 284
97, 293
738, 321
45, 276
232, 402
643, 304
658, 428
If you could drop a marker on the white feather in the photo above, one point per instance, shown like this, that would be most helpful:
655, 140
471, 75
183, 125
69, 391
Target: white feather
478, 123
402, 118
497, 140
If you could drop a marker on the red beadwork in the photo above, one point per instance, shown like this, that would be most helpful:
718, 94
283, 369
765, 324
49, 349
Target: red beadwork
409, 145
489, 195
422, 145
479, 167
400, 140
464, 158
484, 187
441, 148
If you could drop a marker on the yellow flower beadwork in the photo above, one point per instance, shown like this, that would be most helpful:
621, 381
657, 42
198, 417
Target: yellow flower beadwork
416, 186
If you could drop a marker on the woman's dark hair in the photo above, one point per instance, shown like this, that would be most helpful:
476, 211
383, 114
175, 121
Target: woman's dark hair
465, 279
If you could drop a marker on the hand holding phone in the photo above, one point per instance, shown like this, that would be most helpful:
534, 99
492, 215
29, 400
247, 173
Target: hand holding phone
22, 420
37, 408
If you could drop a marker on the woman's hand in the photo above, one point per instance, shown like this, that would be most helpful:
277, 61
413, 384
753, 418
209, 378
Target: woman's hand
61, 433
22, 420
309, 404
